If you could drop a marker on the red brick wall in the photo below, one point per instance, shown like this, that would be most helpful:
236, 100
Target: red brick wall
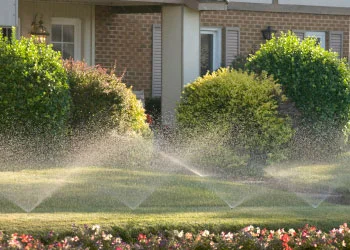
251, 23
127, 40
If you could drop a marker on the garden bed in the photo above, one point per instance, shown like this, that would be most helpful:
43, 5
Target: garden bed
250, 237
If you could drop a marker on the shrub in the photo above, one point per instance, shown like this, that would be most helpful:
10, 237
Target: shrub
101, 100
34, 95
239, 63
314, 79
242, 106
153, 107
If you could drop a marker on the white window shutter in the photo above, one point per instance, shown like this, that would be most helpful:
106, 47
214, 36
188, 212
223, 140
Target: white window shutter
232, 44
336, 42
157, 61
300, 34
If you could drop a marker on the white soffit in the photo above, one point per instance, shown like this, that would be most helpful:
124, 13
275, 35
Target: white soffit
320, 3
251, 1
8, 12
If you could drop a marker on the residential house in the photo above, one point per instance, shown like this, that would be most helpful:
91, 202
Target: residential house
161, 45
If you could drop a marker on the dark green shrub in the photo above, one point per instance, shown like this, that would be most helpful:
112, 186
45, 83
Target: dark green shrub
101, 101
34, 95
240, 106
315, 80
239, 63
153, 107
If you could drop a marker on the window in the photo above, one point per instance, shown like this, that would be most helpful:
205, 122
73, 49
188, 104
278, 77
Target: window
210, 49
335, 41
7, 32
66, 37
320, 36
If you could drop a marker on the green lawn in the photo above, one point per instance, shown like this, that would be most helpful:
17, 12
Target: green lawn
59, 197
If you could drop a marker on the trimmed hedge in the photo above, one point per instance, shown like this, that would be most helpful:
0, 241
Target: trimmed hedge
34, 95
101, 101
316, 81
314, 78
242, 106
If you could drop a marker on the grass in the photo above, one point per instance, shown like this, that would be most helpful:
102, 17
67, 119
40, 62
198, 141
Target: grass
140, 200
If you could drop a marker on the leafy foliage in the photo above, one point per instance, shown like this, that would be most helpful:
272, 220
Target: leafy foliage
101, 100
242, 106
239, 63
314, 79
34, 95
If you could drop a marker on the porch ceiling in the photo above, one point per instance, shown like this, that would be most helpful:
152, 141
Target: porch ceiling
193, 4
117, 2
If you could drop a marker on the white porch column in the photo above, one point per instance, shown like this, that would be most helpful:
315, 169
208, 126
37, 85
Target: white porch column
180, 55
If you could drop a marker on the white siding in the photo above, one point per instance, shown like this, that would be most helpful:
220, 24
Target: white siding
232, 45
251, 1
157, 61
324, 3
56, 9
336, 42
8, 13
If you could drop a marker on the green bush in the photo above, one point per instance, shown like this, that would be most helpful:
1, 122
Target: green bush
101, 101
242, 106
316, 81
34, 95
239, 63
153, 107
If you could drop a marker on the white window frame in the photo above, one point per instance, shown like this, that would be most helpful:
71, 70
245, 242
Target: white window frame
77, 32
318, 34
216, 32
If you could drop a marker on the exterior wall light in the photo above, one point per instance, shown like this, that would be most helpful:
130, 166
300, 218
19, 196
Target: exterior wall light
267, 33
38, 30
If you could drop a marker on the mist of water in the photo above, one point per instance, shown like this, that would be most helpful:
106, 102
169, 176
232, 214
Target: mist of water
28, 190
303, 182
28, 180
182, 164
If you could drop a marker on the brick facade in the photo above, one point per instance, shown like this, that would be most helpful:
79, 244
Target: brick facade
251, 24
127, 38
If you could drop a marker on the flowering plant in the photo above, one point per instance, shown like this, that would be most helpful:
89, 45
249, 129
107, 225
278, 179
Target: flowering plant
308, 237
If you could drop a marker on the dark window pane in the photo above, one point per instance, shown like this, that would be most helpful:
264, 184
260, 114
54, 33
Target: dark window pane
206, 53
7, 32
68, 51
68, 33
57, 47
318, 40
56, 33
